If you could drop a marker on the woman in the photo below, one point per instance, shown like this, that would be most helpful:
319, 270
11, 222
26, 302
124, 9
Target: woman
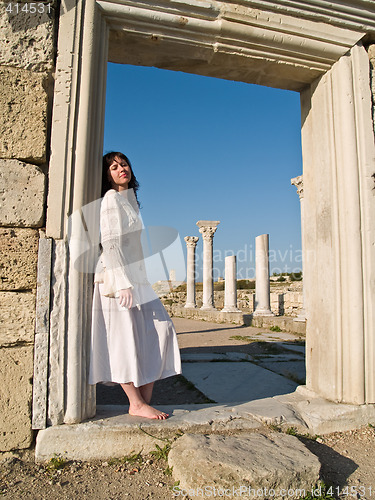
133, 341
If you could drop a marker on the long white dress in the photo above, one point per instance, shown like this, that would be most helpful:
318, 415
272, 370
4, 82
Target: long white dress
136, 345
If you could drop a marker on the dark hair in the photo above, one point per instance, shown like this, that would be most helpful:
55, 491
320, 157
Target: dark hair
107, 161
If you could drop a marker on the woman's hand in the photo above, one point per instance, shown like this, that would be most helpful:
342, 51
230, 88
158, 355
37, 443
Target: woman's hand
126, 298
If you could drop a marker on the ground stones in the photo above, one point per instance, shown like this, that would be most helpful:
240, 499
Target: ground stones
265, 465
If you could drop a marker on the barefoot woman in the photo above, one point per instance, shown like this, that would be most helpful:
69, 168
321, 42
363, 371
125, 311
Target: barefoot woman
133, 341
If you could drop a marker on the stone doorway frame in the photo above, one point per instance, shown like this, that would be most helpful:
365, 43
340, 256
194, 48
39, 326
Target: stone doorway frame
313, 49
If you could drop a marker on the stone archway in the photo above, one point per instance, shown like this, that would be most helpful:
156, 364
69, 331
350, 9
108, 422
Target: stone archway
313, 49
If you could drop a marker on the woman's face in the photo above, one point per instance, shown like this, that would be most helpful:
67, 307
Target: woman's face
119, 174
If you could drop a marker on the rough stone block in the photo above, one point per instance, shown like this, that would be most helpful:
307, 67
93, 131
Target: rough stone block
22, 188
18, 258
256, 461
23, 107
17, 317
16, 372
40, 381
27, 39
44, 285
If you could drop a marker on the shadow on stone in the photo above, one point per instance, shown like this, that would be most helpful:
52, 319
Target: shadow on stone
223, 328
335, 467
174, 390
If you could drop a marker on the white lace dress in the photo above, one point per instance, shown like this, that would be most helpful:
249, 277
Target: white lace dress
136, 345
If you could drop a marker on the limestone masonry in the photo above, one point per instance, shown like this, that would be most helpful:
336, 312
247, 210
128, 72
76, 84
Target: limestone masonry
27, 59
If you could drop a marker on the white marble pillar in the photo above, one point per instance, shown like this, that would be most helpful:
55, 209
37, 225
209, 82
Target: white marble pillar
191, 243
207, 228
262, 275
298, 182
230, 295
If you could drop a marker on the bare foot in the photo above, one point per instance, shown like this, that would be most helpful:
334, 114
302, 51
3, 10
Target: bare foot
147, 411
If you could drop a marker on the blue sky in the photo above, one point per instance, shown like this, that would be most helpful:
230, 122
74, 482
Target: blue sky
211, 149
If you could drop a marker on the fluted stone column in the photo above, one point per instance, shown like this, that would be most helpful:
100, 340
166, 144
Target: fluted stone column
262, 275
207, 228
230, 296
298, 182
191, 243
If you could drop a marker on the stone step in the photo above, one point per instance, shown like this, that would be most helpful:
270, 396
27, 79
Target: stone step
251, 465
112, 433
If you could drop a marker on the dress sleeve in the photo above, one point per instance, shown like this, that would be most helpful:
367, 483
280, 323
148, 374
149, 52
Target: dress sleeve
114, 224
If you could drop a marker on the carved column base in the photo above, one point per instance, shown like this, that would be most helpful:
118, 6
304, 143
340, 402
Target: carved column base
301, 316
208, 308
263, 312
231, 310
190, 306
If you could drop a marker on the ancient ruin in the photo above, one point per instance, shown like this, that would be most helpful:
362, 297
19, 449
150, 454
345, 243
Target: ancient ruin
191, 243
262, 273
298, 182
230, 303
53, 97
207, 228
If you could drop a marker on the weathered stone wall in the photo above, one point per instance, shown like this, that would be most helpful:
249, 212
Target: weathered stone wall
287, 303
27, 54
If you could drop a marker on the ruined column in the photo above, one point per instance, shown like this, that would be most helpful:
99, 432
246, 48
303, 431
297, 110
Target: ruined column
298, 182
191, 243
262, 277
230, 296
207, 228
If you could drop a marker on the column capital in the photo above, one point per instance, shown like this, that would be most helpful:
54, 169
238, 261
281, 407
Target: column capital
298, 182
191, 241
207, 228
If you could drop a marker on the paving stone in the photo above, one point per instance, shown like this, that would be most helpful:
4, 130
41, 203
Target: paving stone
294, 369
300, 349
256, 462
212, 356
235, 382
114, 433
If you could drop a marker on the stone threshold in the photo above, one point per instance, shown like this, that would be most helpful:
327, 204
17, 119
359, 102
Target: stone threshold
112, 433
285, 323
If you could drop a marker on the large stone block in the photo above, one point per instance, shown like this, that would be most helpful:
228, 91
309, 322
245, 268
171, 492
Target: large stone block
23, 107
16, 372
17, 317
22, 194
18, 258
27, 39
258, 463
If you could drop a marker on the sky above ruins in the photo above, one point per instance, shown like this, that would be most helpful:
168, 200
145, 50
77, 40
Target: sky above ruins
209, 149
